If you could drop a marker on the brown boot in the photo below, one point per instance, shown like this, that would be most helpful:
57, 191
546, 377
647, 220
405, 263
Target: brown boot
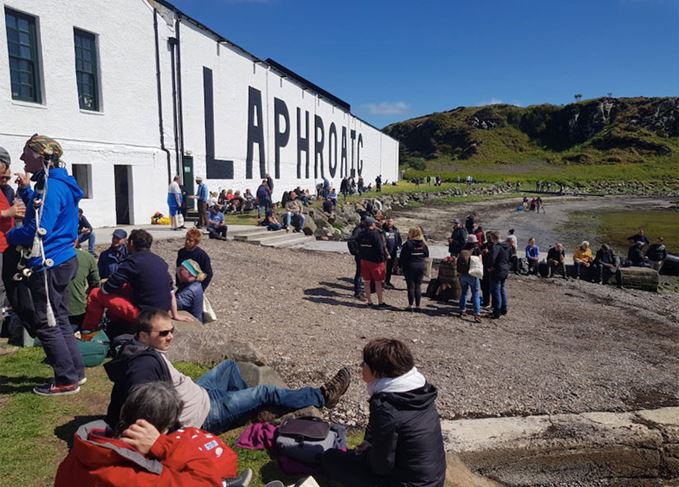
336, 387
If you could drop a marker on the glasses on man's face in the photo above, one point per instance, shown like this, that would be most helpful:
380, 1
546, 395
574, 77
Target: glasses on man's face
165, 333
5, 178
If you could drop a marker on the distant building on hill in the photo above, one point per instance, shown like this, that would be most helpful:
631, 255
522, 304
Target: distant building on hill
136, 91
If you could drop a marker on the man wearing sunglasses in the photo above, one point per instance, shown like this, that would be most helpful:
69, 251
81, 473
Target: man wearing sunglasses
219, 399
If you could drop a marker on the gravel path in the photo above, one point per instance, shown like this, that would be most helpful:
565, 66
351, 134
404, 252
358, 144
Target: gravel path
563, 347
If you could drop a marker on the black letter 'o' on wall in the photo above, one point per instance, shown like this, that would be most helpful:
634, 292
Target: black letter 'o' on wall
332, 149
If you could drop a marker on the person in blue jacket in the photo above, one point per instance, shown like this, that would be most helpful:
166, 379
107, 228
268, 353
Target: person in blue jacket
50, 228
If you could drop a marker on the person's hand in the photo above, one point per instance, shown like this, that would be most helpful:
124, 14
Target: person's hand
362, 448
86, 231
17, 210
179, 317
141, 435
23, 179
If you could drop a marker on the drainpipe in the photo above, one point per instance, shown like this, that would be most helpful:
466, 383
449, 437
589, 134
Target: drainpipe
180, 118
172, 41
160, 100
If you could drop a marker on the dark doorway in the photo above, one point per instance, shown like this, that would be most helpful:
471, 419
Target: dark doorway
121, 175
187, 179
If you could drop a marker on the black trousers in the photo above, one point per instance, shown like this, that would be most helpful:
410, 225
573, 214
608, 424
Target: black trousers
350, 470
414, 277
58, 341
390, 268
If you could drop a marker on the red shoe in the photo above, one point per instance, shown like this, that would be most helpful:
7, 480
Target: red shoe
55, 390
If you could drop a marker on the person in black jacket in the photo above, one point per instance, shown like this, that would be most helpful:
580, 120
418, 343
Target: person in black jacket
394, 243
607, 264
403, 444
413, 256
657, 253
457, 239
499, 270
372, 250
192, 251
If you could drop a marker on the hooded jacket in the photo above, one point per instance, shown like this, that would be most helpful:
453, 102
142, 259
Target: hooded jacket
406, 443
133, 363
188, 457
59, 216
500, 261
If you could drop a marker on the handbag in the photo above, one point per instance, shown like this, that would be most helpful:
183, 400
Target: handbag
180, 220
305, 439
475, 266
209, 314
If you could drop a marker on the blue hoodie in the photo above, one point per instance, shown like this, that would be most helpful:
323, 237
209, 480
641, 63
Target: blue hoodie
59, 217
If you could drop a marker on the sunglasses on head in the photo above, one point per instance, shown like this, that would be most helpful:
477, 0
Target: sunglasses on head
165, 333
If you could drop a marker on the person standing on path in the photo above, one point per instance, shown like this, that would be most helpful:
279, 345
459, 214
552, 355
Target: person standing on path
499, 271
202, 195
174, 202
394, 243
413, 256
458, 238
467, 281
49, 231
373, 255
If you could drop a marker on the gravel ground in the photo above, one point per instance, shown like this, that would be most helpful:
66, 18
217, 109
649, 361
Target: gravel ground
565, 346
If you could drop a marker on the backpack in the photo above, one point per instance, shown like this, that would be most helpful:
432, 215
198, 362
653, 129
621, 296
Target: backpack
301, 442
352, 243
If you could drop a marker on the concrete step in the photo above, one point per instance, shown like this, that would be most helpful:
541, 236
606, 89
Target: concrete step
256, 236
275, 238
295, 241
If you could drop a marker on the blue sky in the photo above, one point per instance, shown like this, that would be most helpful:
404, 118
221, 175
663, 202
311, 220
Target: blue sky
393, 60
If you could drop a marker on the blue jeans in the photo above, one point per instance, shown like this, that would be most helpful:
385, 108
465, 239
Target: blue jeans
468, 281
358, 281
231, 399
289, 218
497, 289
90, 240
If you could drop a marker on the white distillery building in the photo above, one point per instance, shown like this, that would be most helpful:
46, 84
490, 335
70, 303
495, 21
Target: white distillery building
136, 92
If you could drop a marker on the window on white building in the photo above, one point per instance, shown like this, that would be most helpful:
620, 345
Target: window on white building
86, 70
24, 65
83, 176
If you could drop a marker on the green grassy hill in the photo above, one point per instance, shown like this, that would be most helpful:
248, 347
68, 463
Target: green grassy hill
600, 139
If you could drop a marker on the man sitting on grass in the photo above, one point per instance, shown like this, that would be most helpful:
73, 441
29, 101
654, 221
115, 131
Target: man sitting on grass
218, 400
403, 444
148, 448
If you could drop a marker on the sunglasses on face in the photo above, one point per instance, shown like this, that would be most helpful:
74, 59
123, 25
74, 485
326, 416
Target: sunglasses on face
165, 333
5, 178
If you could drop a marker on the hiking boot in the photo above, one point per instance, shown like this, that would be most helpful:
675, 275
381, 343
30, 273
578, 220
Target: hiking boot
336, 387
51, 389
243, 480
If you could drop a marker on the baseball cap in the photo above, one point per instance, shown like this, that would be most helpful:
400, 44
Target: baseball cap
4, 156
119, 233
369, 220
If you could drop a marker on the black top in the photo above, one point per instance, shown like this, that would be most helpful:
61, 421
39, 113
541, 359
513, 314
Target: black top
406, 443
414, 253
500, 261
555, 254
83, 223
459, 238
148, 276
371, 245
657, 252
9, 193
203, 260
110, 259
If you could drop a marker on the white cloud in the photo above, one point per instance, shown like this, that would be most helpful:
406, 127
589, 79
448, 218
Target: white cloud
388, 108
492, 101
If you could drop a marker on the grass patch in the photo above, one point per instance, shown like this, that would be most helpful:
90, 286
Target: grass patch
37, 431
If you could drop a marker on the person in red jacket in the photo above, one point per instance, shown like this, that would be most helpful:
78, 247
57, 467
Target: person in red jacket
147, 449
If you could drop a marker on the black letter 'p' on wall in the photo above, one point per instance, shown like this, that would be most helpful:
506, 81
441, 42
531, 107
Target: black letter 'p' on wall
281, 138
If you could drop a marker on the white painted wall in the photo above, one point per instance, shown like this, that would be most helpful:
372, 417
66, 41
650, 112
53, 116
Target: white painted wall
126, 130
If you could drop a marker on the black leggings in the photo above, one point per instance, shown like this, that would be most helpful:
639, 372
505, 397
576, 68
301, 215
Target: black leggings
413, 277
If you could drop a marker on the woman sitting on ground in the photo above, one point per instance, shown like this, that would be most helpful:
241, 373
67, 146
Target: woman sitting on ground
271, 222
403, 444
413, 255
582, 258
189, 292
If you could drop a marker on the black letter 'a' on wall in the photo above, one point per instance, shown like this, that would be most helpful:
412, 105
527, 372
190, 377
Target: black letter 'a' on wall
302, 143
255, 132
344, 170
332, 150
280, 109
214, 168
319, 140
359, 161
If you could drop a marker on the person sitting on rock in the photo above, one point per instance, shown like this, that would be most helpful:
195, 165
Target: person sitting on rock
657, 253
328, 207
215, 223
607, 264
640, 236
635, 255
271, 222
189, 294
582, 258
86, 232
146, 447
295, 213
110, 259
142, 281
219, 400
191, 250
403, 443
532, 256
556, 260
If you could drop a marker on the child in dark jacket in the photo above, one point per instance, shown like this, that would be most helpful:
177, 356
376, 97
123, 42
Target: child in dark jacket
403, 444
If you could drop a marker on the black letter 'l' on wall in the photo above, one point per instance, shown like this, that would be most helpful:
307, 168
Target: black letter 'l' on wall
255, 132
214, 168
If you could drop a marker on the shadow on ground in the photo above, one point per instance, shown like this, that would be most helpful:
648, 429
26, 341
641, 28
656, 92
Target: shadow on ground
66, 431
18, 384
